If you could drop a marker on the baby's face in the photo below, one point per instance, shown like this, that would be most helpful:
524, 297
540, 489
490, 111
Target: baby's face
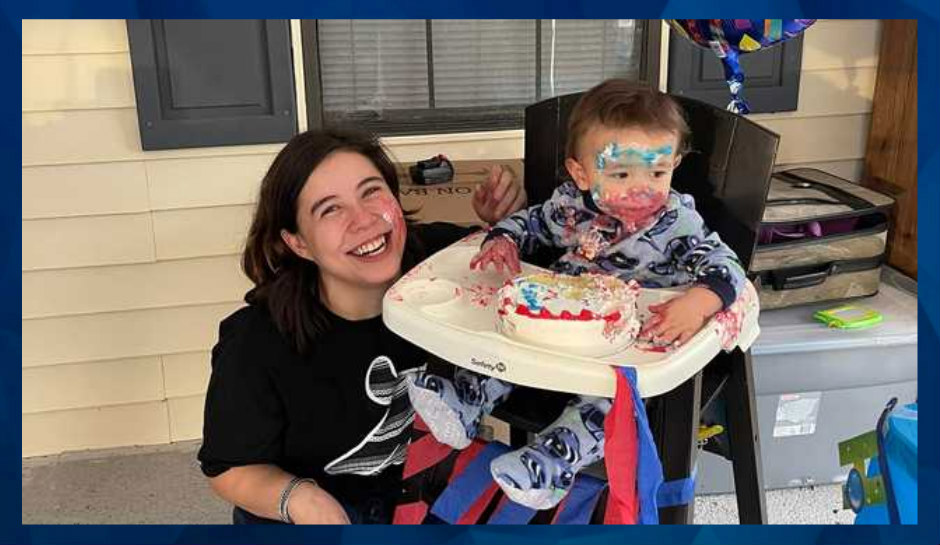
627, 171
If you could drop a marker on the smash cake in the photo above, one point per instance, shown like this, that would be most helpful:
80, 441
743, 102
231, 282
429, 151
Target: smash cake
590, 315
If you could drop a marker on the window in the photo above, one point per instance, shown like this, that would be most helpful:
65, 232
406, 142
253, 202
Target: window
432, 76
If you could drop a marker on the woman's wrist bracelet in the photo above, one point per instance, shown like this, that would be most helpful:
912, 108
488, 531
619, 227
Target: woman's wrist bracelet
285, 497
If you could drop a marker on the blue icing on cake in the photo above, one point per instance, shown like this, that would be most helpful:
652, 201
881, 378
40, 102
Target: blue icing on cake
530, 295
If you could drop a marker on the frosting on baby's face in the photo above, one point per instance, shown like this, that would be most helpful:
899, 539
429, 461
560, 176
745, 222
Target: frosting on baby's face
616, 156
627, 171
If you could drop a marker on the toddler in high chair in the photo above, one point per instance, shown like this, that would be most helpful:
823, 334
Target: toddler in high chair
617, 215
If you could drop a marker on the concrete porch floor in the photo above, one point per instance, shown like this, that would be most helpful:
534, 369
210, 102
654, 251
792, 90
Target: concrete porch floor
163, 485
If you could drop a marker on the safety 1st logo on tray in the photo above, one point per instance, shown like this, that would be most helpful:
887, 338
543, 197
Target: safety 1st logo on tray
488, 367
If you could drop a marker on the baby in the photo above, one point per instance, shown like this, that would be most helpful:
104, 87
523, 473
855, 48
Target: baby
618, 216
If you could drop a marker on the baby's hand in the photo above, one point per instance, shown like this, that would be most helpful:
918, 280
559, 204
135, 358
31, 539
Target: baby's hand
680, 318
500, 195
501, 252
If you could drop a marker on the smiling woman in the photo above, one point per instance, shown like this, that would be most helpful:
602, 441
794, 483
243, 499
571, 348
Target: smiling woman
306, 415
350, 225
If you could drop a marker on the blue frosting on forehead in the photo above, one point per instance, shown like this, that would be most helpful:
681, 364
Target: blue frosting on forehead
631, 154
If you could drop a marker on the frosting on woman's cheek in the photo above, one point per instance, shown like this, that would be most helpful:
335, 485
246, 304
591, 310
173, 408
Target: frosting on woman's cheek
390, 212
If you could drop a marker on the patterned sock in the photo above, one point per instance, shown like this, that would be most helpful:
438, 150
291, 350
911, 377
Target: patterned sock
540, 474
452, 410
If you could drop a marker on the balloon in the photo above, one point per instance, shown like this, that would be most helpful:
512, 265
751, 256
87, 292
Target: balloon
729, 38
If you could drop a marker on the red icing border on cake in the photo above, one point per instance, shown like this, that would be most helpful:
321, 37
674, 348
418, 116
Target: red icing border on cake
585, 315
544, 314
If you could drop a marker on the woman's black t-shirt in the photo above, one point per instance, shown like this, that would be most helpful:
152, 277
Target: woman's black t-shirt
339, 414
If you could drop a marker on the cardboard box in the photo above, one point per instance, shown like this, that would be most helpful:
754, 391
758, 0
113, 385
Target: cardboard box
450, 202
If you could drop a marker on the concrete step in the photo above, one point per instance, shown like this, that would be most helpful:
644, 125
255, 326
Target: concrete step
163, 485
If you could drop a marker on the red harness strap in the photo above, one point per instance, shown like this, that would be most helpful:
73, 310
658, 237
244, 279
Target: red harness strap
620, 452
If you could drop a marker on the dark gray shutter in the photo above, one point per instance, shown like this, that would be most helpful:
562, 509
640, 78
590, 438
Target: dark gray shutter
772, 76
212, 82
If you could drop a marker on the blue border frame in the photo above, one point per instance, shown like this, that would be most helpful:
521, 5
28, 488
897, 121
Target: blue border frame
11, 530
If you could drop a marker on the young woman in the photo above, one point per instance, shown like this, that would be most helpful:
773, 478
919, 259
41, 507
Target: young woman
307, 412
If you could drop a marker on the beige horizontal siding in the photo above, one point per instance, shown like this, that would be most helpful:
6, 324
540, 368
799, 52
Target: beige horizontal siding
129, 261
80, 136
186, 374
829, 129
84, 190
826, 93
77, 82
71, 36
92, 384
63, 292
201, 231
838, 44
186, 417
820, 138
96, 427
206, 181
113, 335
87, 241
64, 137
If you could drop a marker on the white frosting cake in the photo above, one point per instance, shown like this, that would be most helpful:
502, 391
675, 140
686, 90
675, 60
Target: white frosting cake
591, 315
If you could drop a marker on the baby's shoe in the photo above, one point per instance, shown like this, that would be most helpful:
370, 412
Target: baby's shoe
453, 410
540, 474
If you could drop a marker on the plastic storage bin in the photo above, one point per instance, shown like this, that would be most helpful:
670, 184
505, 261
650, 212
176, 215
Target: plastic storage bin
817, 386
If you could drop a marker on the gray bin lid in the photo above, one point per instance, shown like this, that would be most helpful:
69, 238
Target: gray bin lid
793, 330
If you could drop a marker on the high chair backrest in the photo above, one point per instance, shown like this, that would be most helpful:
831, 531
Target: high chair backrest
727, 171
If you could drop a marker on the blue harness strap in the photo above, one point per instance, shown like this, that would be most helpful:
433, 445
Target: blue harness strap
512, 513
467, 488
677, 492
581, 500
649, 470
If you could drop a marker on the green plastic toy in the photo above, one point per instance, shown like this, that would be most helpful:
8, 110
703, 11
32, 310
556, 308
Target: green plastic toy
849, 317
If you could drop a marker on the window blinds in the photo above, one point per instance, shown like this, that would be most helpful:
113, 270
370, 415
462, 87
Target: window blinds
418, 69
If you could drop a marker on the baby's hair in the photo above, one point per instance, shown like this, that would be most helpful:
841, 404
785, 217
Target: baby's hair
621, 104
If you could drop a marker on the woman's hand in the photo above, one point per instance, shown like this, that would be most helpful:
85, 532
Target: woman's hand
257, 489
680, 318
500, 195
501, 252
310, 504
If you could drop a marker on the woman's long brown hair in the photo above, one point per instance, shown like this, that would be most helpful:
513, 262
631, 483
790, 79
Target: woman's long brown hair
286, 284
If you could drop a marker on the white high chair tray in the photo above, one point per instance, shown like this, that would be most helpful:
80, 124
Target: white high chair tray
448, 309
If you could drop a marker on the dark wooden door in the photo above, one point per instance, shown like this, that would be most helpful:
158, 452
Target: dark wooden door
891, 156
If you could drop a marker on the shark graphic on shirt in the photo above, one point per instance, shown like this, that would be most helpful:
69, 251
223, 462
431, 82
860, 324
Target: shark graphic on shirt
383, 445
